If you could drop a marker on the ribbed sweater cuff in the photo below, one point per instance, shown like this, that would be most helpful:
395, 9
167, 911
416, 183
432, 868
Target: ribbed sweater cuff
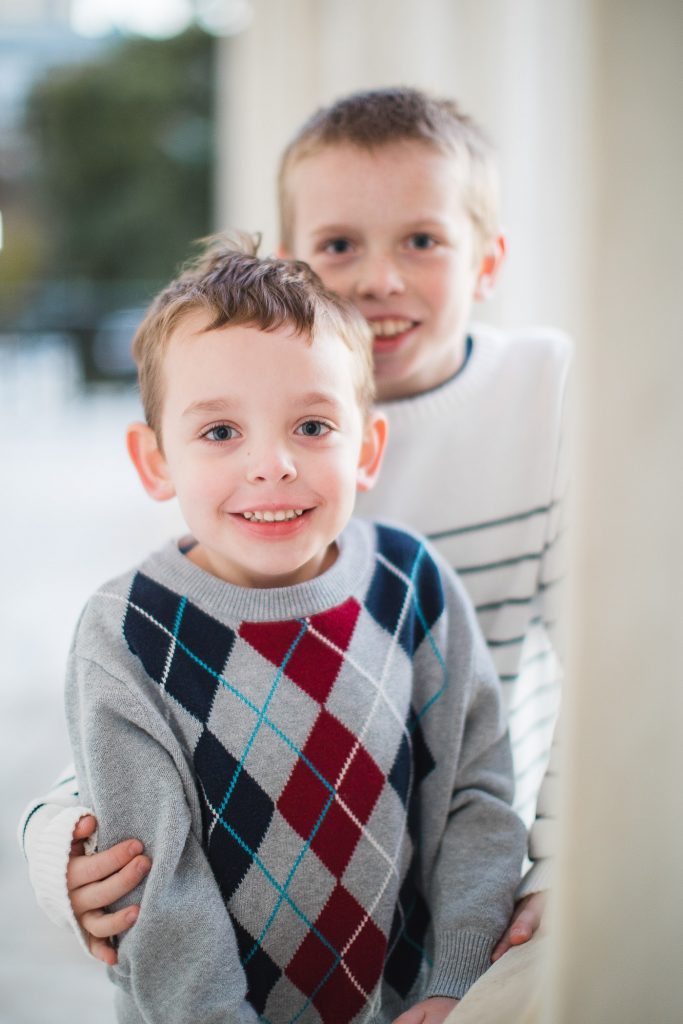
537, 879
461, 958
48, 843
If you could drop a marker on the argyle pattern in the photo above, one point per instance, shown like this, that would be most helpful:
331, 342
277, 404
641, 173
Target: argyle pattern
308, 750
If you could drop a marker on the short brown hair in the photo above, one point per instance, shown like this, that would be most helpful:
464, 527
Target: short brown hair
381, 117
237, 288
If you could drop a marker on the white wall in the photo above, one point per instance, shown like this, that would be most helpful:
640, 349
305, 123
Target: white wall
519, 68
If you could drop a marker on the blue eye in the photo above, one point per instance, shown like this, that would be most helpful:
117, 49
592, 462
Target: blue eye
221, 432
422, 240
337, 246
313, 428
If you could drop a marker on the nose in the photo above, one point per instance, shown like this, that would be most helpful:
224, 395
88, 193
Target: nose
270, 463
379, 277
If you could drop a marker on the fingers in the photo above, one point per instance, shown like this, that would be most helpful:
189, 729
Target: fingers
516, 935
501, 948
101, 925
100, 894
522, 928
101, 950
85, 827
415, 1015
83, 870
525, 921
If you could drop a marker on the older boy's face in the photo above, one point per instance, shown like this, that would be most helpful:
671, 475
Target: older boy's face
262, 437
388, 230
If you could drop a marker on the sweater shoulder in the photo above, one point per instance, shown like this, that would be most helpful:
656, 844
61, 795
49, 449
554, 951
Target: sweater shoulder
100, 628
530, 346
410, 556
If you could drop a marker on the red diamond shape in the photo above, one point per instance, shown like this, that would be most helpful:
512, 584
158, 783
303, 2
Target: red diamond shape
338, 999
305, 796
313, 665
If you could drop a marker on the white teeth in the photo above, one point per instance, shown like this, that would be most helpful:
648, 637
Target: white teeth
390, 327
266, 516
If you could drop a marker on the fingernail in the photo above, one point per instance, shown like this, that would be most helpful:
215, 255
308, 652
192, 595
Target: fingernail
131, 917
134, 847
142, 867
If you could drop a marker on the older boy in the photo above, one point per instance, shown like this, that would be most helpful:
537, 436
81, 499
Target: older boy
296, 713
392, 197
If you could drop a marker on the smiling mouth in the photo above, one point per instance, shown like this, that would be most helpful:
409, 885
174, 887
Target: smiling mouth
281, 515
390, 328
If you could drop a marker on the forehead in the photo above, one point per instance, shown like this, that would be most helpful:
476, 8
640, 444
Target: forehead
345, 181
241, 356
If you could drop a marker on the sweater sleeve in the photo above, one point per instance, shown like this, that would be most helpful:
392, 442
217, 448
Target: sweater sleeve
180, 961
478, 864
44, 834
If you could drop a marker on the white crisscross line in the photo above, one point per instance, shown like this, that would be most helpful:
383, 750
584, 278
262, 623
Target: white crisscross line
380, 694
361, 827
410, 589
164, 629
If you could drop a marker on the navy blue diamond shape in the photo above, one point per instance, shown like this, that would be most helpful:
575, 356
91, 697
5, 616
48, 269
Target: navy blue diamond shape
426, 606
200, 656
154, 606
245, 812
400, 774
262, 972
423, 760
407, 937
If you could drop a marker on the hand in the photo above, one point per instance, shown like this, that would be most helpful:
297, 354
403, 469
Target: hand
429, 1011
524, 923
93, 882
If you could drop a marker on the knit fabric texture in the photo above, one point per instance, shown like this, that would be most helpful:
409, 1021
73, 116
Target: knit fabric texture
341, 749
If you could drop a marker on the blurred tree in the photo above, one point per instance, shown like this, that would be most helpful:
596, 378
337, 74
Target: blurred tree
123, 160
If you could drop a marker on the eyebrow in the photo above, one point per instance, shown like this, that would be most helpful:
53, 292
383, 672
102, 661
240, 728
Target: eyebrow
213, 405
423, 223
319, 398
221, 405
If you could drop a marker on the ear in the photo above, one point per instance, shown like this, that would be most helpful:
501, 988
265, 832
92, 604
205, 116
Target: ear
282, 253
372, 450
149, 461
489, 268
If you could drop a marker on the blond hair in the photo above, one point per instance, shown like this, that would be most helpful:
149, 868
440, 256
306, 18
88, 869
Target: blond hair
380, 117
235, 287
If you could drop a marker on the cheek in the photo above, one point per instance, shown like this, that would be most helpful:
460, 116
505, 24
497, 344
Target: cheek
337, 279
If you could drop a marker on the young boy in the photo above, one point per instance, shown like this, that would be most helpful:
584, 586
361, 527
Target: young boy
392, 197
295, 713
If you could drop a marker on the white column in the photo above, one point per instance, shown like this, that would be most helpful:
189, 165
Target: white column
618, 934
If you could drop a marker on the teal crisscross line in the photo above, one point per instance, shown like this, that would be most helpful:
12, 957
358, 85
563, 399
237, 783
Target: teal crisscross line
273, 881
300, 754
237, 693
261, 717
259, 941
182, 605
428, 633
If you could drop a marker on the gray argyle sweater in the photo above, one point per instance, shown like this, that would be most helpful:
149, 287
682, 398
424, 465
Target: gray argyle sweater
320, 774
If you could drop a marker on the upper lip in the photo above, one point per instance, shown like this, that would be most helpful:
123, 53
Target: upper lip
271, 507
374, 317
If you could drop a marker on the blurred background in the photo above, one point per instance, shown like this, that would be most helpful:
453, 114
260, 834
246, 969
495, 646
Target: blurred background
131, 128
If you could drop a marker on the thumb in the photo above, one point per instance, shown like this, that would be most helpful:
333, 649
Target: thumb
85, 827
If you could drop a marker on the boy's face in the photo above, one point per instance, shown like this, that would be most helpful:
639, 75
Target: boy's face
389, 231
264, 445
